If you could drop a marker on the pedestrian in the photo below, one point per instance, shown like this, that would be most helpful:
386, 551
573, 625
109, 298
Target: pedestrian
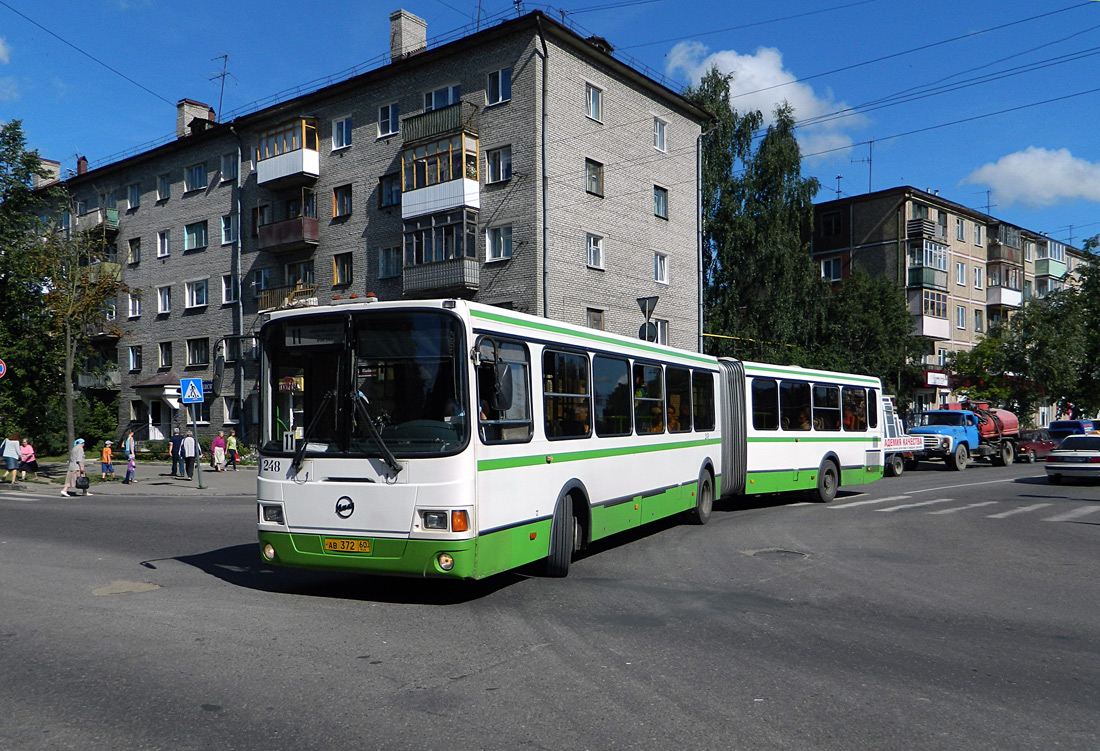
128, 444
106, 466
190, 450
217, 446
76, 468
231, 449
177, 456
11, 457
27, 459
131, 470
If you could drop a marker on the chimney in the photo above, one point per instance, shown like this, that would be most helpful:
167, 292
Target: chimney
188, 110
408, 35
54, 170
82, 165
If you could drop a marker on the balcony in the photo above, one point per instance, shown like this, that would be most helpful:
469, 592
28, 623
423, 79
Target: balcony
1003, 297
927, 277
298, 233
931, 327
458, 118
999, 252
111, 379
294, 166
1050, 267
459, 276
295, 296
916, 228
105, 219
441, 197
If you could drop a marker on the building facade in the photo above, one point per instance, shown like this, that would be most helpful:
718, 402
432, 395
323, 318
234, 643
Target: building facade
521, 166
962, 270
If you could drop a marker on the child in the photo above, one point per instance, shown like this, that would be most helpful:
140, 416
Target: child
105, 465
131, 469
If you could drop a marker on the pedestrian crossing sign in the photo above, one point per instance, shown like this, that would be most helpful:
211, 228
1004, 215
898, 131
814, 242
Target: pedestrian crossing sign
191, 390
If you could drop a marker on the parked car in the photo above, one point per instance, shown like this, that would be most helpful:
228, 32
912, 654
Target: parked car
1077, 456
1035, 444
1062, 428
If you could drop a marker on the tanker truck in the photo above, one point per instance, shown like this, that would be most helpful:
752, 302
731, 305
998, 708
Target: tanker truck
968, 429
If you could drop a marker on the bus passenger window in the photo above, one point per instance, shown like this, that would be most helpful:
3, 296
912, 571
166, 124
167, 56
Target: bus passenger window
765, 404
855, 408
872, 408
565, 395
678, 412
649, 406
503, 392
826, 407
611, 388
702, 399
794, 405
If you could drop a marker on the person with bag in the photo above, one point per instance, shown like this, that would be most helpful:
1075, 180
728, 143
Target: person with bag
75, 477
191, 452
231, 449
11, 457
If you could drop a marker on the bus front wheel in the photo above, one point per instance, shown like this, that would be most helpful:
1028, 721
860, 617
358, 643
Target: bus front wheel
828, 482
704, 499
562, 538
895, 465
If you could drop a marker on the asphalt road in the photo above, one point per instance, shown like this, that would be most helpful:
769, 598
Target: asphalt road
937, 610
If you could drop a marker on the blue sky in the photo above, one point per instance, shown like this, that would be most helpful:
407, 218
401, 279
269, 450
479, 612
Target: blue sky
984, 101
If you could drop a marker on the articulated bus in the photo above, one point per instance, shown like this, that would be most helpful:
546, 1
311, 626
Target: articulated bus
451, 439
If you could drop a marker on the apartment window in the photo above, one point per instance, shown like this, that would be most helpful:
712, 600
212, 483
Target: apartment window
960, 274
389, 262
135, 304
232, 407
229, 167
594, 251
596, 319
196, 293
941, 357
133, 195
229, 289
830, 224
444, 236
389, 120
660, 202
110, 310
164, 299
341, 133
299, 273
1029, 249
977, 278
133, 251
165, 354
198, 351
389, 190
979, 322
977, 234
660, 134
920, 211
261, 215
194, 178
960, 317
660, 268
593, 177
229, 229
341, 268
831, 269
593, 102
498, 162
164, 243
341, 201
164, 187
232, 350
662, 330
452, 158
197, 413
443, 97
135, 358
960, 233
935, 304
499, 242
261, 280
194, 236
499, 86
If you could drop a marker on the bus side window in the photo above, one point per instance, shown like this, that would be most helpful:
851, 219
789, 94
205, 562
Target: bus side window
503, 371
611, 387
872, 408
565, 395
649, 403
826, 407
702, 399
765, 404
794, 405
678, 382
855, 408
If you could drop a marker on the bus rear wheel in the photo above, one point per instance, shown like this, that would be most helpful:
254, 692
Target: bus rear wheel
563, 533
704, 499
828, 482
895, 466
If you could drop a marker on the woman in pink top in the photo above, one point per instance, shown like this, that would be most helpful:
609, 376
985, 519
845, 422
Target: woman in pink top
27, 459
218, 447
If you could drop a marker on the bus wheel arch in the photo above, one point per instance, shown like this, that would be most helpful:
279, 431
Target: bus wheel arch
569, 528
828, 479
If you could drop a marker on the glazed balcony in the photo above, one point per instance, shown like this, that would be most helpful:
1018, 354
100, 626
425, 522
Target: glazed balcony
927, 277
96, 219
1050, 267
458, 276
1007, 253
299, 233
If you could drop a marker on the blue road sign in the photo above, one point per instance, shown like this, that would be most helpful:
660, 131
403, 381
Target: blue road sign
191, 390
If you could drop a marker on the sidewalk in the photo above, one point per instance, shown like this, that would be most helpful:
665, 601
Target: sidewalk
153, 478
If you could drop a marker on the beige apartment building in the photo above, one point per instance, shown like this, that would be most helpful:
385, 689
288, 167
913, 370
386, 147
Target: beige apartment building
962, 270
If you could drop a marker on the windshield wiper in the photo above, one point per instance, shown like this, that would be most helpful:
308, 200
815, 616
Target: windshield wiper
300, 451
361, 403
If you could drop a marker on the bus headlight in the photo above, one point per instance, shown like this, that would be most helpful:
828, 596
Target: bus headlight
273, 514
435, 520
446, 562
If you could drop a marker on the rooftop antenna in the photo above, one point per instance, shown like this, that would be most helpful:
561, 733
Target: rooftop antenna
867, 161
988, 198
838, 177
478, 26
225, 63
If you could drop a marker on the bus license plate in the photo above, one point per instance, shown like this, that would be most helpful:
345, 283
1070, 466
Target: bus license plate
345, 545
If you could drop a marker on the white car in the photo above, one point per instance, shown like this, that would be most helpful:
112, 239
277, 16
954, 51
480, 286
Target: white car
1076, 456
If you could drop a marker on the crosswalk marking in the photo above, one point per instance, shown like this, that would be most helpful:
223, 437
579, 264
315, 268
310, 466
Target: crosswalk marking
852, 504
16, 495
1021, 510
963, 508
1077, 513
915, 505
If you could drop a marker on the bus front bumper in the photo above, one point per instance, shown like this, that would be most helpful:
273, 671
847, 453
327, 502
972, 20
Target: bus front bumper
395, 557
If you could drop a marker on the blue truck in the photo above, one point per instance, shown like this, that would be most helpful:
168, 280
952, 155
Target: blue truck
968, 430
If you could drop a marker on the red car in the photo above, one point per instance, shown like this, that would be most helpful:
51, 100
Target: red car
1035, 445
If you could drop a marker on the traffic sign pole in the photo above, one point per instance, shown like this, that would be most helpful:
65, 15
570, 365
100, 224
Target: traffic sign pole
191, 393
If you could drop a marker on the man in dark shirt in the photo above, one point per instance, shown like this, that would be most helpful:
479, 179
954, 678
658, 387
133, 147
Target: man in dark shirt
177, 456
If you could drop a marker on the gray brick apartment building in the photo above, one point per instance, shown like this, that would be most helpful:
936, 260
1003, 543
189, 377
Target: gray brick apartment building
521, 166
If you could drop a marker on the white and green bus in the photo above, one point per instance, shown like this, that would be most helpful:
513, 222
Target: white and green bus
447, 438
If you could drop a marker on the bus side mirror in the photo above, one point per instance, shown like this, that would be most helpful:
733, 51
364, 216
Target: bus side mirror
501, 398
219, 369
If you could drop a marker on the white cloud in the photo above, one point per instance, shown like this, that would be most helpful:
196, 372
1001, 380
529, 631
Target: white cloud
759, 82
1039, 178
9, 89
5, 51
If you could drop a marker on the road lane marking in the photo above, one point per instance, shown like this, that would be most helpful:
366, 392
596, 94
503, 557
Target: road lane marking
16, 495
915, 505
967, 485
873, 500
1021, 510
1077, 513
963, 508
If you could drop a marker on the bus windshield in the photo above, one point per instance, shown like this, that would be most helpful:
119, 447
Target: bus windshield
331, 373
942, 418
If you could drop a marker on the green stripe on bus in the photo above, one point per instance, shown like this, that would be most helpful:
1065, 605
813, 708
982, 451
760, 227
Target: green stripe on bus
629, 344
751, 369
487, 465
805, 479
